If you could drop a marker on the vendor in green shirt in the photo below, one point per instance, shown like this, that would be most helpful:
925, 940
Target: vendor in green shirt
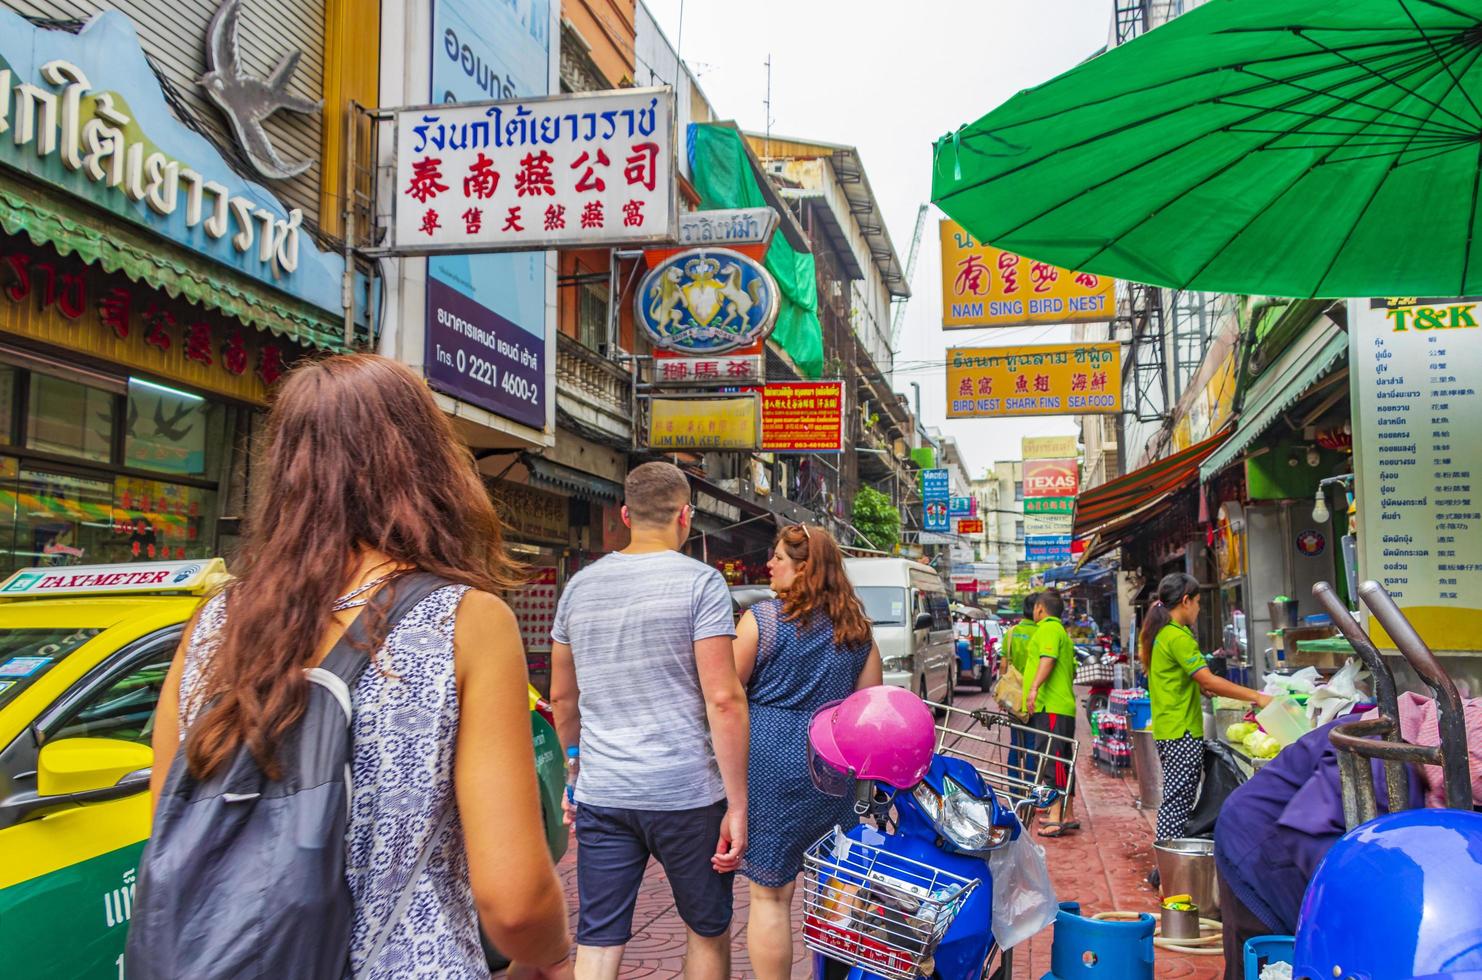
1049, 698
1177, 675
1021, 742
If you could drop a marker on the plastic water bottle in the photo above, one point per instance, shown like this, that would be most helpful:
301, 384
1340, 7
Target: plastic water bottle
573, 766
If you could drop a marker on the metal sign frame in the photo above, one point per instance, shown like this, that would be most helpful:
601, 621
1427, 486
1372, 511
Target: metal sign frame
668, 235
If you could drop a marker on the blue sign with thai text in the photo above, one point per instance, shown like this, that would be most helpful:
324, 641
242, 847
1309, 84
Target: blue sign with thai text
961, 507
85, 113
936, 497
486, 313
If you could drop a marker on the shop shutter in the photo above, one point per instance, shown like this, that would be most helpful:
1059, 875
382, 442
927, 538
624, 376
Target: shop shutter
173, 35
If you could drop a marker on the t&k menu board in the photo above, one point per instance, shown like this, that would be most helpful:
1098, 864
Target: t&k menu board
1416, 367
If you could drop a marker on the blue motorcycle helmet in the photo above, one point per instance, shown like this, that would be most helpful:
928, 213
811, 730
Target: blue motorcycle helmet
1398, 897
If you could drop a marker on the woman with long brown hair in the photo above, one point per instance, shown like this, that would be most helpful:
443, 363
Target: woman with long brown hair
810, 646
363, 483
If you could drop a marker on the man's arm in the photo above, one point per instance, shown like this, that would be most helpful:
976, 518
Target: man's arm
564, 696
730, 733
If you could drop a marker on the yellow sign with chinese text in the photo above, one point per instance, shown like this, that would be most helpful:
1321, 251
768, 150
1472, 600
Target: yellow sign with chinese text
703, 423
983, 286
1050, 379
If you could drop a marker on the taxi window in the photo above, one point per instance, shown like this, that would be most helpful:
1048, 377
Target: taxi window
125, 708
27, 654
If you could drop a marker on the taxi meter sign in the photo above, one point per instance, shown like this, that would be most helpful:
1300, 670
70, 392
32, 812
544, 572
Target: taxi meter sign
76, 580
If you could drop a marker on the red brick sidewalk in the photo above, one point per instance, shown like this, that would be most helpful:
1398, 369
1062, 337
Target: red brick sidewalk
1103, 867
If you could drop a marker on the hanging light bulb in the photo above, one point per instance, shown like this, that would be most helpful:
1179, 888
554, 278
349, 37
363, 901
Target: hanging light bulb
1320, 512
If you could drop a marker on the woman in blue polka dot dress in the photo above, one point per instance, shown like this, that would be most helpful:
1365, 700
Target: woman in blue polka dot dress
807, 648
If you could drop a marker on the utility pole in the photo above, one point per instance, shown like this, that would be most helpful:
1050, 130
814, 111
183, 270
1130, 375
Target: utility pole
767, 103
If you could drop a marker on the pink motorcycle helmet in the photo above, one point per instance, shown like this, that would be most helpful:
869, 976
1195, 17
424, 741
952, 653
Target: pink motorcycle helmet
884, 734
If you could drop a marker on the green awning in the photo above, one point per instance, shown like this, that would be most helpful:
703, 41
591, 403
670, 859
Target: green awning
50, 220
1298, 368
723, 178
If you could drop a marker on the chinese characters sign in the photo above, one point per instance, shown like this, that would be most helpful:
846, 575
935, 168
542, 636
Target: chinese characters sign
80, 308
936, 497
584, 170
803, 418
983, 286
703, 423
737, 367
1054, 379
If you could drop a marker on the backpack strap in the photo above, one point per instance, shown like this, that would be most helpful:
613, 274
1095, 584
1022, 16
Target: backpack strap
348, 658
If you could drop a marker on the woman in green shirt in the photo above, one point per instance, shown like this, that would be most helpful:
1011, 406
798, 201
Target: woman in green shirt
1177, 676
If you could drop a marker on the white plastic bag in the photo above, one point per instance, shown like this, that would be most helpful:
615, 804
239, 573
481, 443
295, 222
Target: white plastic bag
1023, 898
1339, 694
1303, 681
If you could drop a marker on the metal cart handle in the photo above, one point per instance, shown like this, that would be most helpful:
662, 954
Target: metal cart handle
1384, 689
1451, 719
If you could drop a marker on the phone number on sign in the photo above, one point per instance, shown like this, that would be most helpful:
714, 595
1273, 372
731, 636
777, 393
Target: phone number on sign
484, 372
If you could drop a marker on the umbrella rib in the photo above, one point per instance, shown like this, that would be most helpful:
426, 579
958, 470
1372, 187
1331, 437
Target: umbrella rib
1358, 219
1404, 127
1466, 260
1467, 123
1455, 82
1449, 9
1266, 83
1183, 193
1407, 44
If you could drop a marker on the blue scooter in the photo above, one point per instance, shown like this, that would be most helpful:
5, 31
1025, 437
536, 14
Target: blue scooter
875, 898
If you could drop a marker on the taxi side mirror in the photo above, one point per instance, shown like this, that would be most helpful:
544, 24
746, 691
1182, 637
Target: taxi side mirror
87, 770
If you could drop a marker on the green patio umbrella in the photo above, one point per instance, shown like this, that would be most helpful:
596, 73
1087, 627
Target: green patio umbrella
1297, 148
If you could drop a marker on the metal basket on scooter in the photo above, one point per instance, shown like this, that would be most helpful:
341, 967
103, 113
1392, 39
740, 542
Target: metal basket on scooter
864, 906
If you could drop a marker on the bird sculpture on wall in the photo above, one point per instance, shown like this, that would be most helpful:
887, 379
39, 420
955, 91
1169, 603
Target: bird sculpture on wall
248, 101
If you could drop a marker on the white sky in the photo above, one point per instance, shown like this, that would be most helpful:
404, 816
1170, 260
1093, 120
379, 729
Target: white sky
889, 79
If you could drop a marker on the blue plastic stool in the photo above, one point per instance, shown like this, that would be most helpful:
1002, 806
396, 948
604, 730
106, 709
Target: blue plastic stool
1100, 950
1264, 950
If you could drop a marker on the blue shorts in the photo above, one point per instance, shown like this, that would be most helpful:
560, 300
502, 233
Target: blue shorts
613, 847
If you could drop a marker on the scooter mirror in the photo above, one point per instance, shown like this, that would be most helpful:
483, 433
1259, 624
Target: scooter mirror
1041, 797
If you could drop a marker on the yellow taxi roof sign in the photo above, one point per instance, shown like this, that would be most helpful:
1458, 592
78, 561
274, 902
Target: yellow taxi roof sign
130, 578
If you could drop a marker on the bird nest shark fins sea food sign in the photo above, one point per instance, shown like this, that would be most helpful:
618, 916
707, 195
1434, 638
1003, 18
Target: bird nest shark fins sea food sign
707, 301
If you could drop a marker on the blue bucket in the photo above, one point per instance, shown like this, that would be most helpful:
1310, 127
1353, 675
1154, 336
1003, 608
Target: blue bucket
1140, 713
1262, 951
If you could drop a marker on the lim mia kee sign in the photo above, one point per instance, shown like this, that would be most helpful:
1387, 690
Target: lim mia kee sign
84, 113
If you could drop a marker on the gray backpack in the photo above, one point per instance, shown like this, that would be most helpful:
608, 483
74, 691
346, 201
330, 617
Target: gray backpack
244, 876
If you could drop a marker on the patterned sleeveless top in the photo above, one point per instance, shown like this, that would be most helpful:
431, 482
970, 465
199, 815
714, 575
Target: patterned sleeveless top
405, 727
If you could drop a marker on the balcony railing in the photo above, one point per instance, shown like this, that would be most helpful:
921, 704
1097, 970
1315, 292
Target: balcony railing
593, 390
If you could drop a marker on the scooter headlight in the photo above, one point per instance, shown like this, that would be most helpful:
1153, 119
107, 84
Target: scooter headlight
963, 819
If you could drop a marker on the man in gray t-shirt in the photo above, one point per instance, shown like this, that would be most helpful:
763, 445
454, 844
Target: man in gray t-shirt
644, 681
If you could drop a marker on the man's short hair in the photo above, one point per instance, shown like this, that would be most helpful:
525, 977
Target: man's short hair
1051, 603
1029, 602
654, 493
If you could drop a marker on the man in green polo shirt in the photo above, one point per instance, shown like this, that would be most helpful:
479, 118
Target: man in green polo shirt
1049, 698
1020, 741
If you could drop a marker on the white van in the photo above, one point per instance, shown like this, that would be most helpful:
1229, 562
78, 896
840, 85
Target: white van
911, 610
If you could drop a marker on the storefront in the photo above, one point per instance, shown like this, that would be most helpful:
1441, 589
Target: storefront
150, 296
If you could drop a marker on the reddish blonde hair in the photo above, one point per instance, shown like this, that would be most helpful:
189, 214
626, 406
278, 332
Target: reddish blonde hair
358, 455
821, 585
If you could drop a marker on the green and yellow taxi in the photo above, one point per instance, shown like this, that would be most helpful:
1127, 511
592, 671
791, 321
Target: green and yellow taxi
83, 656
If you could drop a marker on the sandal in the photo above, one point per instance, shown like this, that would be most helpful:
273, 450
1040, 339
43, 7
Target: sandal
1052, 830
1071, 825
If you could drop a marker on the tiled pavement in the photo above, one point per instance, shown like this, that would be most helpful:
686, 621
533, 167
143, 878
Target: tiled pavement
1103, 867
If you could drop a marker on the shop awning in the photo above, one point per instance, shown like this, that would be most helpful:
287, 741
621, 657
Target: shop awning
1073, 574
1281, 385
554, 476
50, 220
1141, 489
